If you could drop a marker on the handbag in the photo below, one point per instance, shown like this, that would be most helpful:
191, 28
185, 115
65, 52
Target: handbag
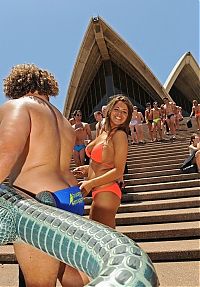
189, 124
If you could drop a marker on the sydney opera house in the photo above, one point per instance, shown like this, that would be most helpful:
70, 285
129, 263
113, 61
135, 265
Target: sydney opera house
106, 65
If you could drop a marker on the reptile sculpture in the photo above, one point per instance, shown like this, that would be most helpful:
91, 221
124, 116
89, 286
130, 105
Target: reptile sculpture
110, 258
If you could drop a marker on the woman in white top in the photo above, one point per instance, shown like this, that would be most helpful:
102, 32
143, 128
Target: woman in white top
194, 148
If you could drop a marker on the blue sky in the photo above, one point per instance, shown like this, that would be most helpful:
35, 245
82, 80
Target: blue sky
48, 33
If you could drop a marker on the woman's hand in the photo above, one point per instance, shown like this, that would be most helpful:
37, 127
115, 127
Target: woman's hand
86, 186
81, 171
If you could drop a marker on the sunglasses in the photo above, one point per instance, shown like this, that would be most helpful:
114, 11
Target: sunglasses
78, 115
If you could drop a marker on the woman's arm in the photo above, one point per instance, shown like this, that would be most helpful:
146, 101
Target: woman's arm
120, 144
192, 112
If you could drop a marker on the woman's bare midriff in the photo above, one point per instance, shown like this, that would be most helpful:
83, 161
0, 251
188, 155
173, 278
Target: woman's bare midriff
96, 170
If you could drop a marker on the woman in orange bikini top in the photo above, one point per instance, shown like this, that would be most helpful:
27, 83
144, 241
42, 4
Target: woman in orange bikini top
107, 153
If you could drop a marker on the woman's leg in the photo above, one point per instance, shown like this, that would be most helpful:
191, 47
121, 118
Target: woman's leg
104, 208
198, 123
39, 268
197, 157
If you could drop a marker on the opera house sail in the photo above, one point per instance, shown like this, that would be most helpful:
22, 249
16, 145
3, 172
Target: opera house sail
106, 65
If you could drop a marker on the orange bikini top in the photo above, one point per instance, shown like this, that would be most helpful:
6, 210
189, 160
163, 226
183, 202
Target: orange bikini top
96, 154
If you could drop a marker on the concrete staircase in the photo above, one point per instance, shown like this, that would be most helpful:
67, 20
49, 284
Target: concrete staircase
159, 210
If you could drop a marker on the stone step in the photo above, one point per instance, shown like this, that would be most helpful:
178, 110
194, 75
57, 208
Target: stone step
162, 186
158, 146
155, 160
187, 249
9, 276
152, 156
170, 274
161, 179
160, 231
153, 168
157, 194
160, 216
178, 274
137, 175
157, 150
157, 163
163, 204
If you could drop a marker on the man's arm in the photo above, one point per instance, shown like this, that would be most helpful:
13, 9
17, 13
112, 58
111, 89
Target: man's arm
88, 130
15, 128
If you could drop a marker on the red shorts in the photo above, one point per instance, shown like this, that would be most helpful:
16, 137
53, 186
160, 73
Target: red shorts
114, 188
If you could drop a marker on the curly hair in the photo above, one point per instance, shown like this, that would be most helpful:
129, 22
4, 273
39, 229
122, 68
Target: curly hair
26, 78
125, 126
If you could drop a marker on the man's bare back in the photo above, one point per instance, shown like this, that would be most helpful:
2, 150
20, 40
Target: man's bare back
41, 160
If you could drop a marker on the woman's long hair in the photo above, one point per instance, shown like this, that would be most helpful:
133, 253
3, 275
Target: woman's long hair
125, 126
192, 138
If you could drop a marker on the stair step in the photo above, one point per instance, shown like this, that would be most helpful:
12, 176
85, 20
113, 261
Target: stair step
158, 194
161, 179
157, 146
172, 250
161, 216
163, 185
135, 160
10, 275
178, 274
153, 167
158, 251
137, 175
157, 163
156, 154
162, 230
176, 203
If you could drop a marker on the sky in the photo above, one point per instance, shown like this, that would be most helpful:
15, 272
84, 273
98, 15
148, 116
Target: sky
49, 33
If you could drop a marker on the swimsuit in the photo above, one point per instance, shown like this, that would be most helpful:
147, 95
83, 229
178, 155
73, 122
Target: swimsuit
96, 155
133, 122
114, 188
79, 147
156, 120
69, 199
197, 115
170, 115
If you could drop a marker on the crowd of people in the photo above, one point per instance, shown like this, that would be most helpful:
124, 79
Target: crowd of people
37, 144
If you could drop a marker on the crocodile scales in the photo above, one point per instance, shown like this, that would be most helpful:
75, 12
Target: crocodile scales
107, 256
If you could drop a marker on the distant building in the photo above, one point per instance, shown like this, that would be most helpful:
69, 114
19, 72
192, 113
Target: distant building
105, 66
183, 83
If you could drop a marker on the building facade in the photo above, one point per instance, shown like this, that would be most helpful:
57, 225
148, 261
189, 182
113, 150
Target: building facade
106, 66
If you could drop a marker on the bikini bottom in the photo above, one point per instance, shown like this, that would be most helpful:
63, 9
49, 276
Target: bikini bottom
114, 188
79, 147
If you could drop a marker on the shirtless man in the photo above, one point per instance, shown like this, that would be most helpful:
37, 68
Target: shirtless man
83, 136
170, 117
36, 145
196, 112
149, 119
98, 117
72, 119
156, 125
